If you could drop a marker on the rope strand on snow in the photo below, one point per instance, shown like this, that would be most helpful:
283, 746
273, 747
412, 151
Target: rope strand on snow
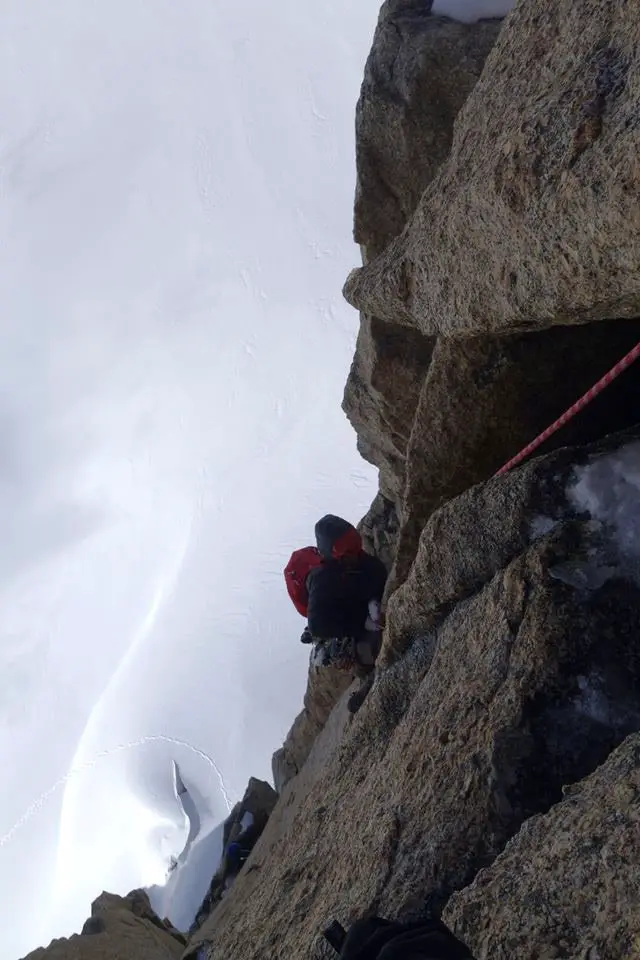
579, 405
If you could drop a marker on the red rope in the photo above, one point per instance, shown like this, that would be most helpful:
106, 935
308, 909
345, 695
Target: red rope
576, 408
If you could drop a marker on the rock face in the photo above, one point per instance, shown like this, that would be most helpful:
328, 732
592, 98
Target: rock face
120, 928
511, 662
523, 676
470, 538
437, 415
253, 810
382, 393
420, 71
534, 219
567, 884
483, 400
259, 800
325, 686
379, 530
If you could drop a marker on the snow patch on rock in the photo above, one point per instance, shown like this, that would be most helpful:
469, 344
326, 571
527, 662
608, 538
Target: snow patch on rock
540, 526
584, 574
247, 820
608, 489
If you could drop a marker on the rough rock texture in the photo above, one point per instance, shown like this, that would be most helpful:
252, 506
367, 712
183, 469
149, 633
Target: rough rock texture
381, 395
325, 686
534, 219
108, 904
295, 792
483, 400
435, 415
282, 824
420, 71
472, 537
379, 530
480, 724
120, 928
568, 884
259, 800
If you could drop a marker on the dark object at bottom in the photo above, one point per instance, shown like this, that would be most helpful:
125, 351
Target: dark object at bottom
376, 939
335, 935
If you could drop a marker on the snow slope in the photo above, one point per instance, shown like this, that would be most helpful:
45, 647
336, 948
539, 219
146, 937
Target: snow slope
176, 225
182, 894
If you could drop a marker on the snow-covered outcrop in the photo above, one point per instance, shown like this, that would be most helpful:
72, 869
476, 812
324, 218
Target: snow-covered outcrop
253, 811
180, 898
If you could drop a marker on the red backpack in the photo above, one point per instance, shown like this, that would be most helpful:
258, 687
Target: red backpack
300, 565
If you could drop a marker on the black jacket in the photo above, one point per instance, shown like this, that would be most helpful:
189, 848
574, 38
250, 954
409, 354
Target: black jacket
377, 939
339, 595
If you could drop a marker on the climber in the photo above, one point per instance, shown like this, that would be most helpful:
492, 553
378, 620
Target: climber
239, 845
237, 855
339, 588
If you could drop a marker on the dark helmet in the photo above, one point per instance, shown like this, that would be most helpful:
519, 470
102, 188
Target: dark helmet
337, 538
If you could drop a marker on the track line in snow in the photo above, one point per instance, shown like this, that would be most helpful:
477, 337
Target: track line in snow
37, 804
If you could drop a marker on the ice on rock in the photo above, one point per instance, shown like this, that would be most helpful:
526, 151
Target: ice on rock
608, 490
